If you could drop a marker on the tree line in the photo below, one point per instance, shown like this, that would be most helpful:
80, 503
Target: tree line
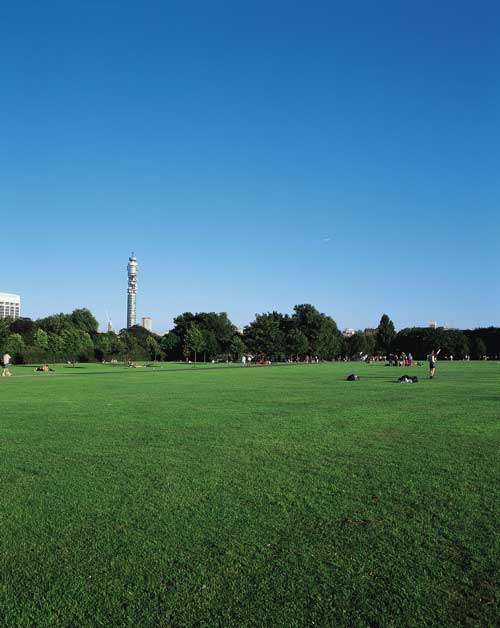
303, 334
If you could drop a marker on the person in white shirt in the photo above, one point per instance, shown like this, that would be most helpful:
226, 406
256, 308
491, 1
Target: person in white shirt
6, 365
244, 360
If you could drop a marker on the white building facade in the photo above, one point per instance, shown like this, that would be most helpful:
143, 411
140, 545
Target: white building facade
10, 305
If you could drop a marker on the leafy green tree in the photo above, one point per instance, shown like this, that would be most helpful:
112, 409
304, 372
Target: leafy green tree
420, 341
357, 344
16, 347
266, 336
216, 327
137, 343
170, 345
329, 342
478, 349
116, 347
297, 343
139, 332
87, 347
385, 334
56, 346
4, 331
23, 326
38, 349
238, 347
181, 326
102, 346
153, 347
57, 323
41, 340
309, 321
194, 340
454, 342
218, 324
370, 343
211, 346
84, 320
489, 335
132, 349
321, 331
77, 345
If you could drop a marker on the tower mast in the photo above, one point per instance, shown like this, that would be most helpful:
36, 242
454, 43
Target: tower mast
131, 290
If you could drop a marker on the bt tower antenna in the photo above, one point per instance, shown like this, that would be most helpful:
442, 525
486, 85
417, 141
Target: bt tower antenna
131, 290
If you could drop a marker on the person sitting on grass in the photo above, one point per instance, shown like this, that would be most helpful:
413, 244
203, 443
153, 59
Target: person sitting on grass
43, 369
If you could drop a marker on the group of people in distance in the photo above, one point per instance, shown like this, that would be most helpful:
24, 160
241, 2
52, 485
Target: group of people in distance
400, 360
394, 360
407, 360
246, 360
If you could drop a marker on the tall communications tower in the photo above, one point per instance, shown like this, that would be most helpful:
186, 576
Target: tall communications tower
131, 290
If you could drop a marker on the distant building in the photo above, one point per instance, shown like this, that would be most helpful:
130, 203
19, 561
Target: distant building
131, 290
239, 330
110, 326
10, 305
433, 324
147, 323
347, 333
371, 331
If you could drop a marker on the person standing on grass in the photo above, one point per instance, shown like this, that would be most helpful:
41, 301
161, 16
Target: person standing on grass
243, 360
6, 365
432, 358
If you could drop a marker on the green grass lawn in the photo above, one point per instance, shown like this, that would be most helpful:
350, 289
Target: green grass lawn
275, 496
107, 367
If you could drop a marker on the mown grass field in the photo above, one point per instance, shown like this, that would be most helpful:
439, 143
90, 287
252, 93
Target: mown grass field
273, 496
82, 368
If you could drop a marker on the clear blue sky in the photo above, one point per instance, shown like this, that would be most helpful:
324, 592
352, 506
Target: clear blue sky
254, 155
